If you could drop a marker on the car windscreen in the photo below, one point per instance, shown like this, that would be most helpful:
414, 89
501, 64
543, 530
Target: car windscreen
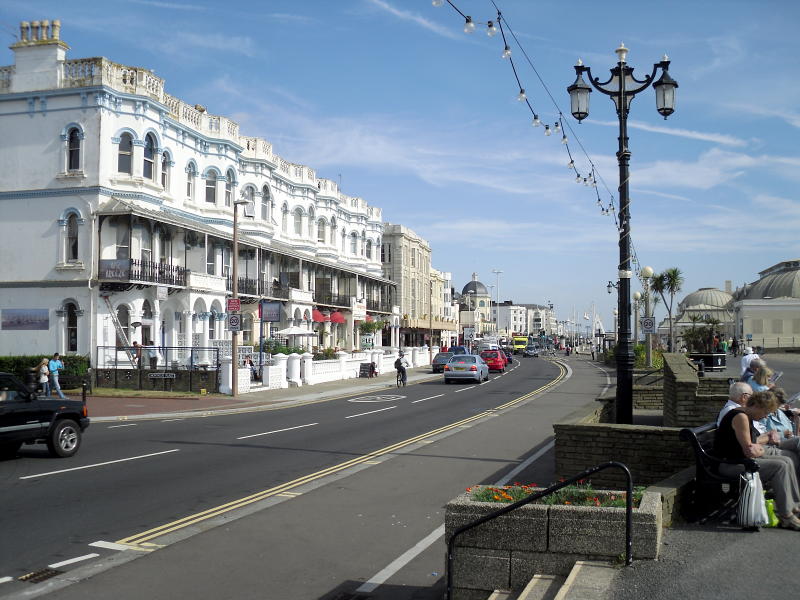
492, 354
443, 356
462, 359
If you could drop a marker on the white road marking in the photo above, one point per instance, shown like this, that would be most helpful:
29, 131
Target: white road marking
244, 437
526, 463
170, 420
370, 412
109, 545
64, 563
465, 389
429, 398
110, 462
6, 579
401, 561
126, 425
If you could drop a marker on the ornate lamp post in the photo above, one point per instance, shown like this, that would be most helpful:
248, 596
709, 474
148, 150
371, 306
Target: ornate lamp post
647, 273
622, 86
235, 294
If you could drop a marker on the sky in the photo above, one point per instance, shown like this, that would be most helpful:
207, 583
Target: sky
395, 101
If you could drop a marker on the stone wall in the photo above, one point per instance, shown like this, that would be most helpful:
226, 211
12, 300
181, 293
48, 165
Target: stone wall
690, 400
652, 454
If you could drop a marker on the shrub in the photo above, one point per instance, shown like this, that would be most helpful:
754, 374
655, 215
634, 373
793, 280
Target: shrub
73, 364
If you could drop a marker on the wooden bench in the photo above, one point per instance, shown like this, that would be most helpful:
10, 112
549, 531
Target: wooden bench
709, 495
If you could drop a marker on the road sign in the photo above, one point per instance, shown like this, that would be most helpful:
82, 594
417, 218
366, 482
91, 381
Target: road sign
234, 305
235, 322
648, 324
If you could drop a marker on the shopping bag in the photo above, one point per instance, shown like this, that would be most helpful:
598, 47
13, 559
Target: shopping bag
752, 512
772, 518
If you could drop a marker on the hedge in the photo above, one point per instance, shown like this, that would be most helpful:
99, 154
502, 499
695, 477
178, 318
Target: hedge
73, 364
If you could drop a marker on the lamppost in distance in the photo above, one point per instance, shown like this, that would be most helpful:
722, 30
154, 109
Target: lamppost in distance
647, 273
622, 86
235, 295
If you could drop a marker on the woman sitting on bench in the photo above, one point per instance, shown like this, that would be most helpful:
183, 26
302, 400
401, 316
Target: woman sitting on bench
736, 440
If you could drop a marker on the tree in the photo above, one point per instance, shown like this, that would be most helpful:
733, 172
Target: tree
668, 283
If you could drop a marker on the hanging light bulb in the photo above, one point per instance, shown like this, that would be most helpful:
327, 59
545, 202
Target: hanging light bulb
564, 139
536, 122
586, 181
599, 203
571, 164
578, 178
594, 182
557, 126
521, 96
547, 130
469, 26
491, 30
507, 52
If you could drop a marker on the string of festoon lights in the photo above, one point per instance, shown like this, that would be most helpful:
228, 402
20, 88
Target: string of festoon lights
590, 176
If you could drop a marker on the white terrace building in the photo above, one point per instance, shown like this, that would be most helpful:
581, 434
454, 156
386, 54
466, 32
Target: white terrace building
118, 199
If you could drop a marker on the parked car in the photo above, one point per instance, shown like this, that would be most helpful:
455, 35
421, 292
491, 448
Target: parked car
28, 418
458, 350
531, 351
495, 359
440, 360
466, 366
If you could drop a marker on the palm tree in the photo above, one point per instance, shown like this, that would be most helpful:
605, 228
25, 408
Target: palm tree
668, 282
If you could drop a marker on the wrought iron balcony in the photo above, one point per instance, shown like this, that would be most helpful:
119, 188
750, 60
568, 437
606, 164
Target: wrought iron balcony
130, 270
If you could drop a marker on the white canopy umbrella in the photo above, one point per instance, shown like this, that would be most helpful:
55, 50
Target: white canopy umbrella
295, 330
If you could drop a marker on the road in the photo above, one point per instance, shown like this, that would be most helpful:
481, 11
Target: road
147, 483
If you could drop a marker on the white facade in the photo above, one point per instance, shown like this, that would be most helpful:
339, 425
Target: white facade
118, 197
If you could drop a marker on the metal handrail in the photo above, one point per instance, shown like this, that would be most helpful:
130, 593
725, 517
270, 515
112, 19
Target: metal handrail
536, 496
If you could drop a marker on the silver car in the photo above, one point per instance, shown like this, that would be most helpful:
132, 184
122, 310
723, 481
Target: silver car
468, 367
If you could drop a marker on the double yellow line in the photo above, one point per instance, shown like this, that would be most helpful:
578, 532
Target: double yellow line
140, 541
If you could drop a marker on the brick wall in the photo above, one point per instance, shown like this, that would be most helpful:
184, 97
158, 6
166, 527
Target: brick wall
651, 453
690, 401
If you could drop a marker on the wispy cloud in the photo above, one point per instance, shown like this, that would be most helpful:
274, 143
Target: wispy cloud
183, 40
415, 18
716, 138
790, 116
169, 5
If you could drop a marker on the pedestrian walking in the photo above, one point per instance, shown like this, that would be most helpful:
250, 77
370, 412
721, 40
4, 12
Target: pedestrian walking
152, 355
54, 366
137, 355
43, 373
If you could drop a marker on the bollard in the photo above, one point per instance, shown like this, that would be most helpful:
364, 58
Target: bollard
83, 391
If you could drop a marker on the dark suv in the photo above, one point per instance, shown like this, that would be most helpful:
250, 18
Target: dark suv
26, 417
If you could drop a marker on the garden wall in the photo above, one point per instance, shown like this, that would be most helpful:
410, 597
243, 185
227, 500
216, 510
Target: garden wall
690, 400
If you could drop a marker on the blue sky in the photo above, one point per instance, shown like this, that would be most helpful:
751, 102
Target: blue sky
422, 120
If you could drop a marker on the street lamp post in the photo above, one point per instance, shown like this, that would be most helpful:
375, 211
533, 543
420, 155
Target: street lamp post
622, 86
637, 296
647, 273
497, 273
430, 324
235, 294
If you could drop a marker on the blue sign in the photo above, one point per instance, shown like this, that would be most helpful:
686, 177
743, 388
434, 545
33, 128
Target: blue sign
270, 311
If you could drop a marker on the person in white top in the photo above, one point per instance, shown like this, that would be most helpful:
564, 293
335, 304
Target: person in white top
749, 355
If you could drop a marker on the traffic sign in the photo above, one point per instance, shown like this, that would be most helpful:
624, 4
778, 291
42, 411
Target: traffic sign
234, 305
234, 322
648, 324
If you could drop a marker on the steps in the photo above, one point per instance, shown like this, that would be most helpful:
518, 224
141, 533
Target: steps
588, 580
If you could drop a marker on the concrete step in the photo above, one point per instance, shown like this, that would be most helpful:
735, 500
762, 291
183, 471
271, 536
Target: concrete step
588, 580
542, 587
502, 595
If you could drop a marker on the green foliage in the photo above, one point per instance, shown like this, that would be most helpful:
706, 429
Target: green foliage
700, 336
277, 347
325, 354
18, 365
371, 326
580, 494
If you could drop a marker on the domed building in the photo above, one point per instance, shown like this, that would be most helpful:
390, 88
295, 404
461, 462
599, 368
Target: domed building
475, 306
767, 311
705, 303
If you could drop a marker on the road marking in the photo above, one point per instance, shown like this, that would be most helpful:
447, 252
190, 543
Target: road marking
6, 579
389, 398
64, 563
465, 389
126, 425
524, 465
109, 545
370, 412
244, 437
428, 398
110, 462
170, 420
140, 539
401, 561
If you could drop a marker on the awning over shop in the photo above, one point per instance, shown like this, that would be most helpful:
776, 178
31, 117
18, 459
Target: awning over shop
318, 317
369, 319
337, 317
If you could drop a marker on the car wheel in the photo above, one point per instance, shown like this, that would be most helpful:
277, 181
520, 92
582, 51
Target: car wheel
10, 449
446, 380
65, 439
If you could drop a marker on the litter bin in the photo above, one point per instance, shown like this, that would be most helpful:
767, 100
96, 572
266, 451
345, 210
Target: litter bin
712, 361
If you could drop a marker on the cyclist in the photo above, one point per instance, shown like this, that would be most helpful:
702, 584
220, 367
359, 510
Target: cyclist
401, 364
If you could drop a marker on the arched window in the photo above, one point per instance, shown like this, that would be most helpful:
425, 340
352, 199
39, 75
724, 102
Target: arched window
71, 313
165, 165
321, 231
124, 318
369, 249
229, 181
211, 187
74, 150
149, 167
249, 209
285, 219
72, 239
354, 243
298, 221
191, 176
125, 154
265, 202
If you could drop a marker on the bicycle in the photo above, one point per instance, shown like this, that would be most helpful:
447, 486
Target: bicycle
400, 379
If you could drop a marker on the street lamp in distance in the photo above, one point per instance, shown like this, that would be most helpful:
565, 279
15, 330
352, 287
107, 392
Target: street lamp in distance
235, 294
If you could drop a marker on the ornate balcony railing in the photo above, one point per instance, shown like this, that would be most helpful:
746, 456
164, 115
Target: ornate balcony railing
378, 305
332, 299
142, 270
245, 285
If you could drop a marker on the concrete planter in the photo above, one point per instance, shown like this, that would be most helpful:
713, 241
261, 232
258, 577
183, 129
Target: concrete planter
540, 539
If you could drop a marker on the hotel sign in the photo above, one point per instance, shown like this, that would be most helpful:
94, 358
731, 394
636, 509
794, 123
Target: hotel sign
116, 270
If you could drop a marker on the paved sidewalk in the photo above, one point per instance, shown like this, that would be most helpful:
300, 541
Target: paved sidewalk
115, 408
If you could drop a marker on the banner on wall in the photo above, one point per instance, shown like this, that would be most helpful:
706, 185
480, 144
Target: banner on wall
116, 269
270, 311
25, 319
